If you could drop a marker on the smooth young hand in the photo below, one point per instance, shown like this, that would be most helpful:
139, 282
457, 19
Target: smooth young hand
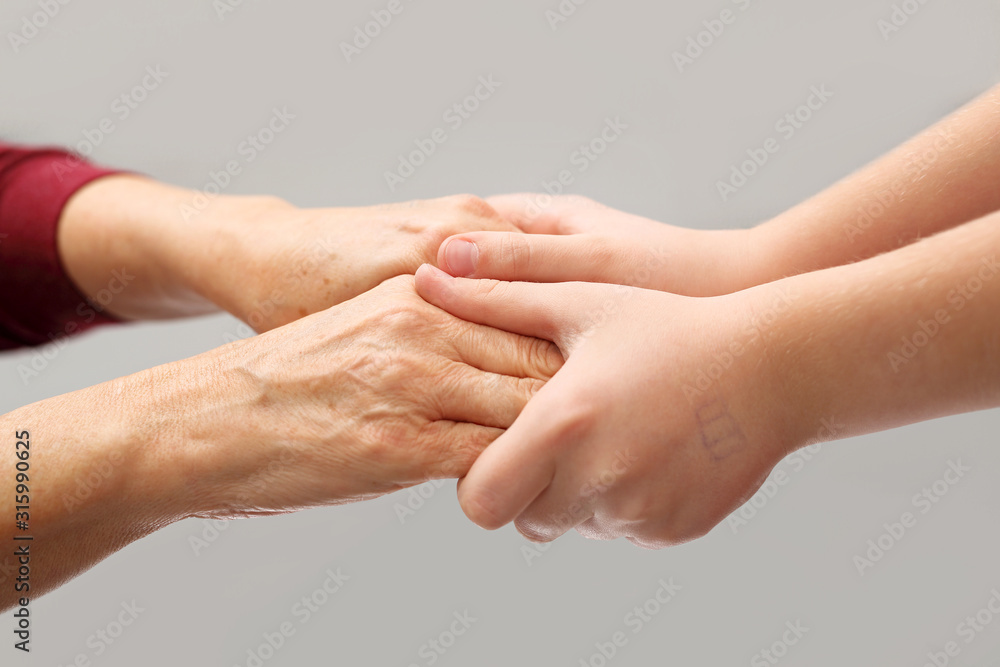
633, 437
578, 239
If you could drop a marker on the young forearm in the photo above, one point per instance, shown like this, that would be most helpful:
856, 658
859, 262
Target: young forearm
904, 337
942, 178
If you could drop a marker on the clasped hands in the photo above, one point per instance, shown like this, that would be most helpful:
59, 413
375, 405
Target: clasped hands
359, 387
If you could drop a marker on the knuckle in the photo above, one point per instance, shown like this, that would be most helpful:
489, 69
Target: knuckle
402, 317
472, 205
515, 254
544, 359
657, 533
602, 253
651, 545
450, 456
576, 419
634, 509
529, 387
493, 290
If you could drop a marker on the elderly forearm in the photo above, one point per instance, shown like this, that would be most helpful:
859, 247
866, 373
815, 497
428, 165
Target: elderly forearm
104, 467
904, 337
146, 250
942, 178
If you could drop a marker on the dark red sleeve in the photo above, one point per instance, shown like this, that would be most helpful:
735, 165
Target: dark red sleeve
38, 301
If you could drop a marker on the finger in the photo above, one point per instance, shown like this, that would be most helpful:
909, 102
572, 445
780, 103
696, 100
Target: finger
538, 258
556, 511
542, 311
521, 464
466, 394
504, 353
525, 211
650, 544
595, 529
450, 448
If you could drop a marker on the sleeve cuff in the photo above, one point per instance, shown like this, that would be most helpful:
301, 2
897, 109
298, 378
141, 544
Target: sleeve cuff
38, 301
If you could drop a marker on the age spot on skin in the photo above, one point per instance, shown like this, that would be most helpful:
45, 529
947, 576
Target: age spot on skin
721, 434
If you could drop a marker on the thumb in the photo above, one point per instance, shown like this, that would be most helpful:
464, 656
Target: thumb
551, 312
534, 258
516, 468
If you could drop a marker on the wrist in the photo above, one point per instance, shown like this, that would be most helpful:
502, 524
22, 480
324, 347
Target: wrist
203, 246
778, 324
756, 256
183, 433
706, 263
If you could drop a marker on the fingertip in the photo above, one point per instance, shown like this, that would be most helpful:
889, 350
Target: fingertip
431, 272
536, 535
429, 282
481, 507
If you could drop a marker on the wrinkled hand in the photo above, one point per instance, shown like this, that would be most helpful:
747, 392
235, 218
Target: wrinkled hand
382, 392
577, 239
275, 263
644, 433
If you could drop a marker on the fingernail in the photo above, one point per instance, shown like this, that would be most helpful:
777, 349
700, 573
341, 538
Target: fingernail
461, 258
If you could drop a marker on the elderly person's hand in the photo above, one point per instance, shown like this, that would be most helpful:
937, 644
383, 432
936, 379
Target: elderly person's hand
379, 393
260, 258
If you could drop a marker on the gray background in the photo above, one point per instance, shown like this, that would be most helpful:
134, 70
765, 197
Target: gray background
793, 562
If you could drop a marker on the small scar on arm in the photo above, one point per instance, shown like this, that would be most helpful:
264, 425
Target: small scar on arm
721, 434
